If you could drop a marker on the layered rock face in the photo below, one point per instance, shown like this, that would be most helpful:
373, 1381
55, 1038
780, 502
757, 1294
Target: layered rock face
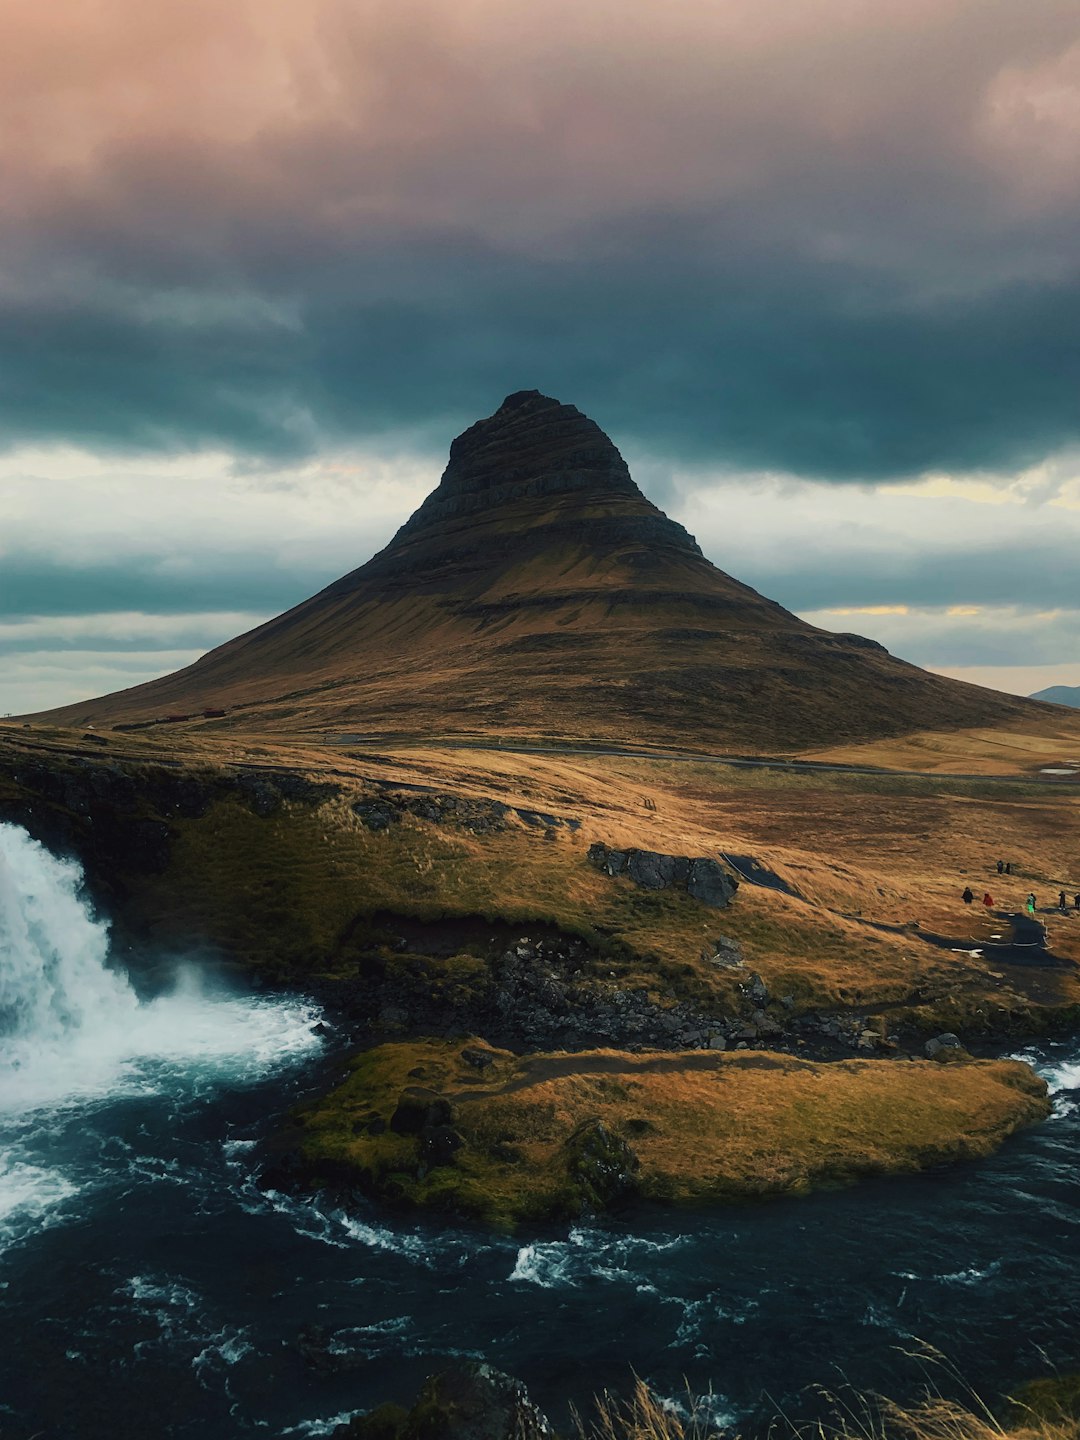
537, 592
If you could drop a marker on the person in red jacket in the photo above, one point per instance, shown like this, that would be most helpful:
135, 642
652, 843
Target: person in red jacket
988, 900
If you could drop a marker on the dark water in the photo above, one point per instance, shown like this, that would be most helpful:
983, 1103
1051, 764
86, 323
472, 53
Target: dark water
165, 1295
148, 1288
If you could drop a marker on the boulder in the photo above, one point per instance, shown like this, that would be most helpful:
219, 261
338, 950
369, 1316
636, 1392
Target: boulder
651, 870
946, 1049
710, 883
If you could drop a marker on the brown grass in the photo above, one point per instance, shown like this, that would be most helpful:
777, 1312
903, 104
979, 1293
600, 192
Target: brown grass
702, 1126
877, 862
1047, 1408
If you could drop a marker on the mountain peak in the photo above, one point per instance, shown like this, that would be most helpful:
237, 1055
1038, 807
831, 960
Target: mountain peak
538, 591
531, 449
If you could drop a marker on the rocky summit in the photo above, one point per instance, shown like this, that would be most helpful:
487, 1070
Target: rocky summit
537, 592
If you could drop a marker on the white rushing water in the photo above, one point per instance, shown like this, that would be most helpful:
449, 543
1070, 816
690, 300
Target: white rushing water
74, 1034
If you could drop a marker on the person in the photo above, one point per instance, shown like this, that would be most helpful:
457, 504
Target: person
1030, 905
967, 897
1076, 902
1008, 867
1001, 867
1061, 900
988, 900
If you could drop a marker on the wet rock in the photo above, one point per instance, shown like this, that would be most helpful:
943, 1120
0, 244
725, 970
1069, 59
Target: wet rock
468, 1402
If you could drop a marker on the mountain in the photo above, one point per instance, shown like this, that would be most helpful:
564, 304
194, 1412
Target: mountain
1060, 695
537, 591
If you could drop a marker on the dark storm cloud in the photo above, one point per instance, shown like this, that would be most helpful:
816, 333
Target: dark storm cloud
753, 368
827, 238
33, 585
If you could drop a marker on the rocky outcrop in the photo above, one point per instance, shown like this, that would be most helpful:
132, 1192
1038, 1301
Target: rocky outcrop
479, 816
118, 820
705, 879
536, 990
533, 447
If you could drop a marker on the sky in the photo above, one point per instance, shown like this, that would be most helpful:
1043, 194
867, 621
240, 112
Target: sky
813, 264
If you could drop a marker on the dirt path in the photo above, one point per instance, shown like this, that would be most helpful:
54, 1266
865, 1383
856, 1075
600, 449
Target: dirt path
536, 1069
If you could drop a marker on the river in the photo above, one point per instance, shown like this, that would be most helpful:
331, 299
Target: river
149, 1288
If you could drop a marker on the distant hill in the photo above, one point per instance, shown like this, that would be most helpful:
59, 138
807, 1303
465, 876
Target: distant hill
1060, 695
538, 592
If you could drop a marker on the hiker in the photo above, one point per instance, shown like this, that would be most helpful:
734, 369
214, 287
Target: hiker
1061, 901
1008, 867
988, 900
1030, 905
1076, 902
1001, 867
967, 897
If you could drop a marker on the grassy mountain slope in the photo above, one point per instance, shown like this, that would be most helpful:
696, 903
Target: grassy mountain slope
538, 592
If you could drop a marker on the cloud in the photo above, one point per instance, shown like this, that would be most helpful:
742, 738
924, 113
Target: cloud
826, 238
39, 680
116, 633
999, 636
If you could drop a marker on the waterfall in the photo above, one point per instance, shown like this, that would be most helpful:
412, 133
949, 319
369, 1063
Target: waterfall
54, 977
77, 1044
73, 1028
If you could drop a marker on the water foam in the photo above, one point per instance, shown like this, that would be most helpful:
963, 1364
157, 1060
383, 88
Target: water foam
74, 1034
1061, 1072
589, 1255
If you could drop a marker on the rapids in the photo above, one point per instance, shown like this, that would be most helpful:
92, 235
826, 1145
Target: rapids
149, 1287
